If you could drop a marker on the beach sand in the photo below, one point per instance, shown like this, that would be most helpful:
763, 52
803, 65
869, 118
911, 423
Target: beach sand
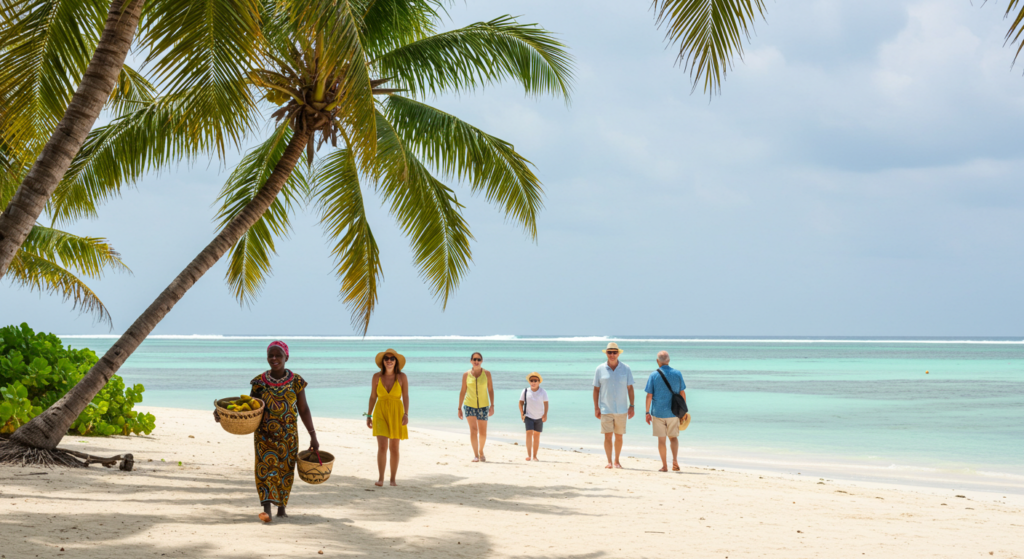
567, 505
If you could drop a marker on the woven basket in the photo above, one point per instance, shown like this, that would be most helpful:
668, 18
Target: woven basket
239, 422
311, 471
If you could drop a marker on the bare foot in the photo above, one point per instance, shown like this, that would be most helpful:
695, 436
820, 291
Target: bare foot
528, 458
379, 483
663, 469
482, 457
609, 466
281, 513
618, 466
265, 517
476, 458
675, 466
535, 459
393, 484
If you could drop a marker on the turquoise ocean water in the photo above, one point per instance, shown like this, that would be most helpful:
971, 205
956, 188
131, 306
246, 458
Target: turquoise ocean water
845, 408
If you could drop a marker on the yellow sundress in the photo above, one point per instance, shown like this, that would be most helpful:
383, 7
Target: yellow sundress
388, 412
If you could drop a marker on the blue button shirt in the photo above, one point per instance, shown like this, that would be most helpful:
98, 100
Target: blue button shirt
614, 396
661, 400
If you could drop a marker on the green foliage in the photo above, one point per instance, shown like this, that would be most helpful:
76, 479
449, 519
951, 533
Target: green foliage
36, 370
710, 33
49, 260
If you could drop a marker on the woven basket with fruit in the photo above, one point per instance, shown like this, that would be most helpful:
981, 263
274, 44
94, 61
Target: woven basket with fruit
240, 416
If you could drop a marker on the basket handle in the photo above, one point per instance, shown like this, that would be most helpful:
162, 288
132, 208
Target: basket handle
321, 462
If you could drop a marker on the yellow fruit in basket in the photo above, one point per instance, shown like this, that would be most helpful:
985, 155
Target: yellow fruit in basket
231, 407
246, 397
245, 407
254, 404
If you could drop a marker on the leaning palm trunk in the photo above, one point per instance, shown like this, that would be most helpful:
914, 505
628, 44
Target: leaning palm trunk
47, 429
98, 82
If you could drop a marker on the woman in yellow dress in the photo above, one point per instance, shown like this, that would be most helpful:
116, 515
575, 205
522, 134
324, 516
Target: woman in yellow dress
389, 410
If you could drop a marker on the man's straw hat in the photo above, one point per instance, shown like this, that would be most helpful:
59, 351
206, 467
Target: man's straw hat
612, 345
534, 374
380, 358
685, 422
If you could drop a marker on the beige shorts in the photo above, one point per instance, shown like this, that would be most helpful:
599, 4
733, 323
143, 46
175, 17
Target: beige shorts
665, 426
613, 423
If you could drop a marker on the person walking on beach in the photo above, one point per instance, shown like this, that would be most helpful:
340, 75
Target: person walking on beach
277, 439
613, 400
659, 408
388, 413
477, 402
533, 410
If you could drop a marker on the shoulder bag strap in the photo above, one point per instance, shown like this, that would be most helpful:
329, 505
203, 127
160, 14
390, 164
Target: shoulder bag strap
666, 382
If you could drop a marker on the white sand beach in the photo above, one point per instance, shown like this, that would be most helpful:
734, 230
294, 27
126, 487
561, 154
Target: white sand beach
567, 506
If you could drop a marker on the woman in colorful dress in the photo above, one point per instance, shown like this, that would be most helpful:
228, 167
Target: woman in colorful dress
388, 413
477, 402
277, 439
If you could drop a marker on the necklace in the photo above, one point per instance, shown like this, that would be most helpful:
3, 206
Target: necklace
271, 381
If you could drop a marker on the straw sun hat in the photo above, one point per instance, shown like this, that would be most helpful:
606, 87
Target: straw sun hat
531, 375
612, 345
380, 358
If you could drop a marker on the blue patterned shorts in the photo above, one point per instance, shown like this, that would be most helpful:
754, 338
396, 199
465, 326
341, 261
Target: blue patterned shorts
479, 413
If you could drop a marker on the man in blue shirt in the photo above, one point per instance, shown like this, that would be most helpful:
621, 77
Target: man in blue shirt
659, 408
613, 400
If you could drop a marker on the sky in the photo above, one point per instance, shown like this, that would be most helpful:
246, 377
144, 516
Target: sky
858, 175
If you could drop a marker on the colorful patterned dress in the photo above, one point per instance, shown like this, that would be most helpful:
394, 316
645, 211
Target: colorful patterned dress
277, 439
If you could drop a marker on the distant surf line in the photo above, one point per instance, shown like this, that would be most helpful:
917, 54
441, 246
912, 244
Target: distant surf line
569, 339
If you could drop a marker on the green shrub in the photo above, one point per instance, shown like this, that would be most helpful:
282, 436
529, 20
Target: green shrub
36, 370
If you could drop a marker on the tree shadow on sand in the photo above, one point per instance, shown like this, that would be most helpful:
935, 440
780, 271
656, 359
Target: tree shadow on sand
103, 535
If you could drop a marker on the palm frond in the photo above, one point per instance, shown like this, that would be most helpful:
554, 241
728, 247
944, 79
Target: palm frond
427, 211
131, 92
49, 258
389, 24
710, 33
461, 151
481, 54
206, 48
1013, 35
339, 201
249, 260
116, 155
47, 45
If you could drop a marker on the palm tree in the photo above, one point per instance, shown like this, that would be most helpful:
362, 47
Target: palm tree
323, 63
60, 60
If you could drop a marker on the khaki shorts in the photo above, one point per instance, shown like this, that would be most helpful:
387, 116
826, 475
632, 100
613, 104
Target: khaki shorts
665, 426
613, 423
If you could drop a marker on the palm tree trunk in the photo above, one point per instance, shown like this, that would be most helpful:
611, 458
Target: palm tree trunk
48, 428
98, 82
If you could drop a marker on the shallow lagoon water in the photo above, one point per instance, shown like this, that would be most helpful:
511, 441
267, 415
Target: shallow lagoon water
847, 408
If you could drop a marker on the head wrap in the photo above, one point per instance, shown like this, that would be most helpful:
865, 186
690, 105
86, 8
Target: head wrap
279, 344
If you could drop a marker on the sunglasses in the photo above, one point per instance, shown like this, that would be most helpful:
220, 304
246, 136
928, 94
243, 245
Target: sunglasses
476, 359
389, 358
612, 352
533, 380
